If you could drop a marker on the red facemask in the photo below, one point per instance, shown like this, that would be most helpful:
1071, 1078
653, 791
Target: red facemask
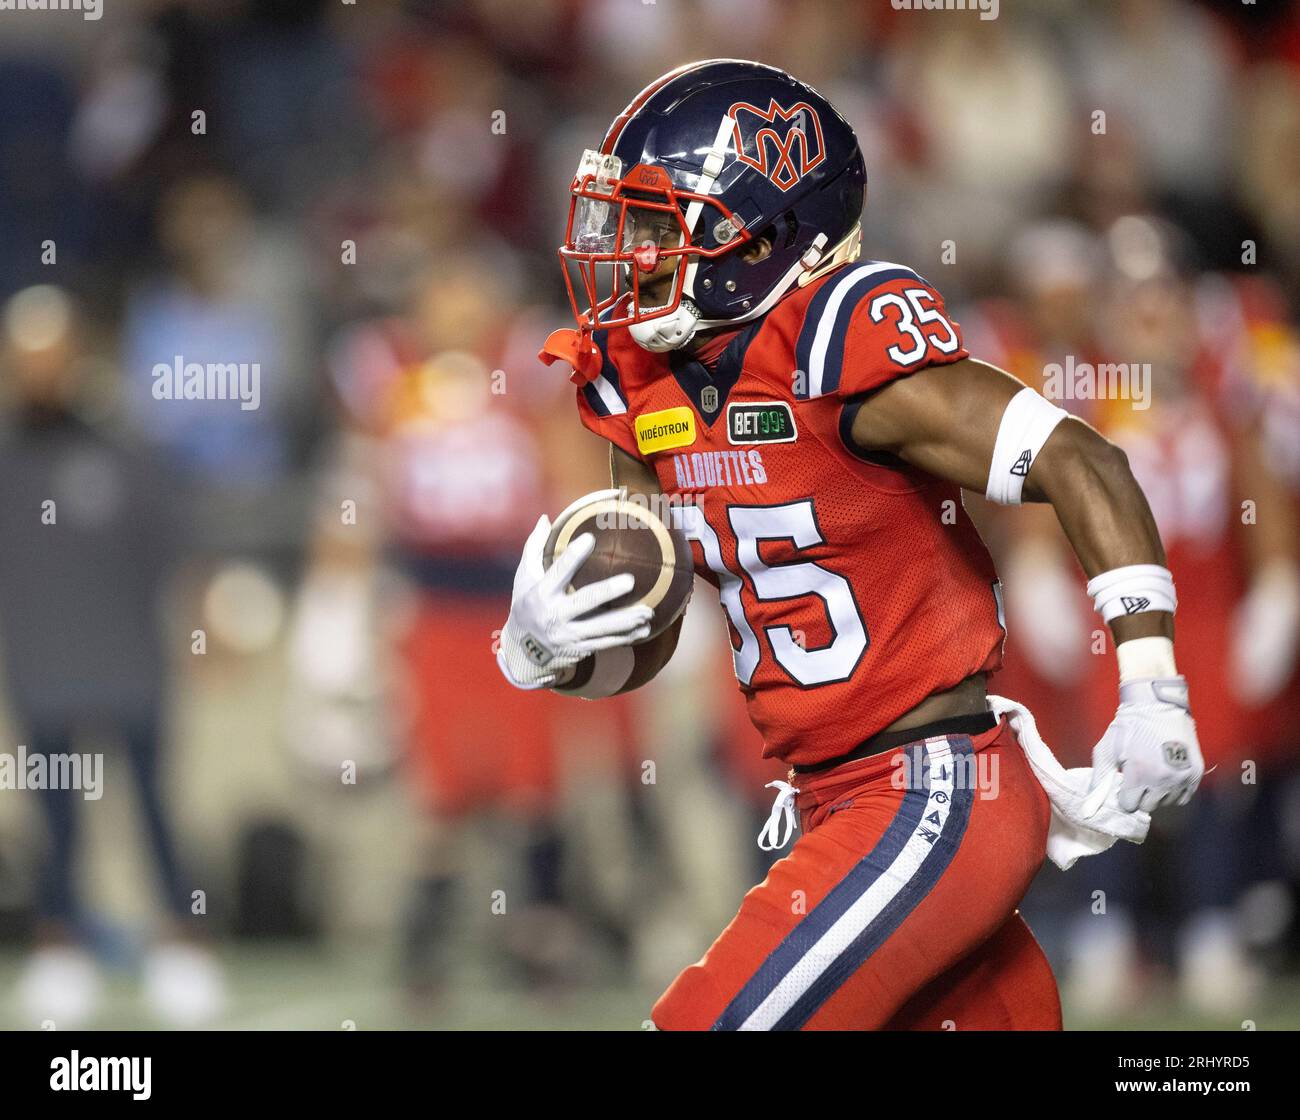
621, 230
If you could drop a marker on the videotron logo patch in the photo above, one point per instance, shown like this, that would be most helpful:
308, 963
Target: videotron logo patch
760, 422
661, 431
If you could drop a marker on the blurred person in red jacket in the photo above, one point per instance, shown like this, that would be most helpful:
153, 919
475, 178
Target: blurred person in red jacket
451, 451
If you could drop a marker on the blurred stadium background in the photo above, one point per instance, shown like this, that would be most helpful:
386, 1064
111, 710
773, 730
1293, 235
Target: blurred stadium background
313, 735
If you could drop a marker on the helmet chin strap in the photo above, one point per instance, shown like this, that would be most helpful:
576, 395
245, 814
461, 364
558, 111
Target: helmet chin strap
668, 332
675, 330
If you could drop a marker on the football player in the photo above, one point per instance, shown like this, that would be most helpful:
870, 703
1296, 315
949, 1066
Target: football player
814, 418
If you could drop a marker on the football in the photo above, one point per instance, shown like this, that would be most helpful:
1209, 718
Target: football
630, 537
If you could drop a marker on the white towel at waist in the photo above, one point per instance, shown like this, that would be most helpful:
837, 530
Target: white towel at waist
1074, 831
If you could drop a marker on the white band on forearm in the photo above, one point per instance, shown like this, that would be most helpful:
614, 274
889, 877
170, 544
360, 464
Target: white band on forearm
610, 671
1027, 422
1133, 589
1144, 659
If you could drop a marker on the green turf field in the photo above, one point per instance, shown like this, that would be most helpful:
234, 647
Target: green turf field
287, 988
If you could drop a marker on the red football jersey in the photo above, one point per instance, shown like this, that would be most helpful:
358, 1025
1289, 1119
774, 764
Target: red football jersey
854, 586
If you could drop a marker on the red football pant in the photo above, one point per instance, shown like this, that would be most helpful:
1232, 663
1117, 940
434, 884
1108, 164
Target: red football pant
895, 909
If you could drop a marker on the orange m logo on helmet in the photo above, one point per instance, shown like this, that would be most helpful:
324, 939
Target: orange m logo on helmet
794, 135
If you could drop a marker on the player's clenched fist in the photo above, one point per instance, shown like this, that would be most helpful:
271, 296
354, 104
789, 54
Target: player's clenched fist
551, 629
1152, 743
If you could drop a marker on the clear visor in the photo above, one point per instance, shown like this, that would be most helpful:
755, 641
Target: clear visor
595, 221
596, 229
605, 225
628, 248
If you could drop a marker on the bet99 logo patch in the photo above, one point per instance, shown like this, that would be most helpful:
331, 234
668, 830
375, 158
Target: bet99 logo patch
760, 422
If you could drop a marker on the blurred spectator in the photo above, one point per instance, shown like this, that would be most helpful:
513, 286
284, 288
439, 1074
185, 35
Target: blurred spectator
232, 294
1164, 68
87, 552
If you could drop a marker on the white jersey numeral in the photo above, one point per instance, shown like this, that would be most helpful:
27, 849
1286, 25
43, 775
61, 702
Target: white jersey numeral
690, 520
799, 579
912, 311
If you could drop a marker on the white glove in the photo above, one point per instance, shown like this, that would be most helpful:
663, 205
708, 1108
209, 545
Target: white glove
1265, 632
545, 635
1152, 740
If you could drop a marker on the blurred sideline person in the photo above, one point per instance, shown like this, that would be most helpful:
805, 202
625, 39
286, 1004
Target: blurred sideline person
87, 551
450, 466
228, 292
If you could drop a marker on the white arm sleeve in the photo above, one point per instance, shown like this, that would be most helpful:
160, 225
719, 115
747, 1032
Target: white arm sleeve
1027, 422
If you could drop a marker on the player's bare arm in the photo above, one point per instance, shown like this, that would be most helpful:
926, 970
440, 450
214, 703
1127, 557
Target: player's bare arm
631, 474
957, 422
945, 420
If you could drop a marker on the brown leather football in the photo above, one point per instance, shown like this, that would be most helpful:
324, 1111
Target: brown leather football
630, 537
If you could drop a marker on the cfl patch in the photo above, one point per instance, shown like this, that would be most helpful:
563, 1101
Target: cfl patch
666, 429
760, 422
537, 653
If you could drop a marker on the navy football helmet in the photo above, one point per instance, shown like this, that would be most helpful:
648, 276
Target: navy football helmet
710, 157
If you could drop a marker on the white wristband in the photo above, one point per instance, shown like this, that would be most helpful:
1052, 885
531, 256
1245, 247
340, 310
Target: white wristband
1133, 589
1026, 423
